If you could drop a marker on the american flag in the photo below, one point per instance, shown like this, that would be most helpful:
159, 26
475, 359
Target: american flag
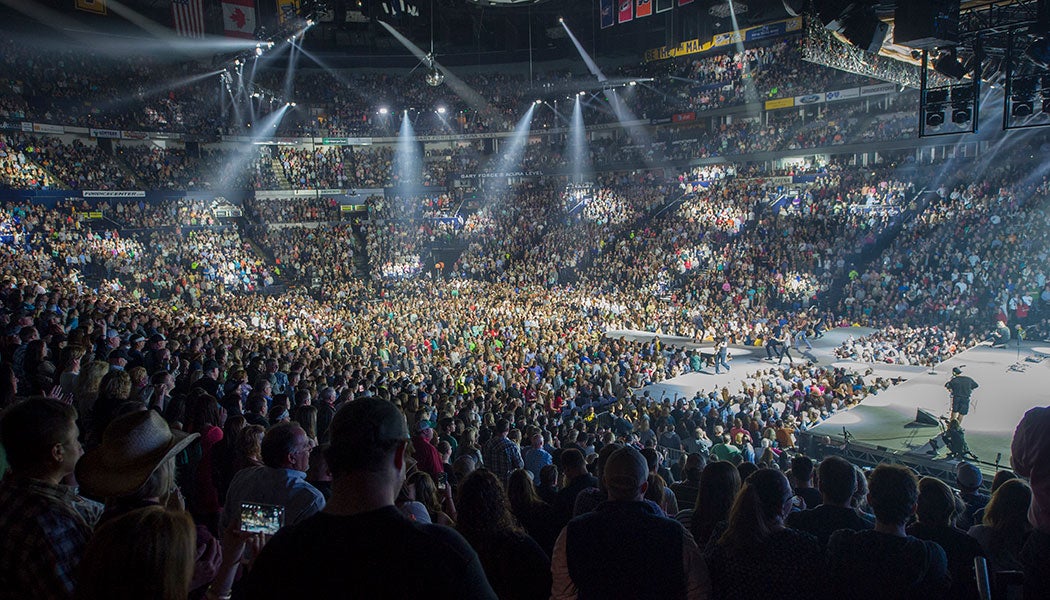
188, 16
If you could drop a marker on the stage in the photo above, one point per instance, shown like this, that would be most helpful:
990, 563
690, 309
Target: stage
882, 427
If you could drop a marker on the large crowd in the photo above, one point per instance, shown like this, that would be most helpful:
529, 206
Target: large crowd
166, 406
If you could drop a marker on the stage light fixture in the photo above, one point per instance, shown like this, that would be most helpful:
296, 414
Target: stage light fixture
292, 103
948, 64
633, 83
441, 110
538, 102
1022, 109
935, 118
961, 116
258, 50
383, 110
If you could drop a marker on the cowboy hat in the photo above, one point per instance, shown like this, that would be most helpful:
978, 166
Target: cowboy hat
133, 446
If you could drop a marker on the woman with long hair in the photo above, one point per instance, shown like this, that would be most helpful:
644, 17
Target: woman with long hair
538, 518
468, 445
39, 370
719, 485
758, 556
87, 388
1006, 527
225, 450
146, 553
306, 417
69, 367
114, 390
204, 416
419, 487
514, 563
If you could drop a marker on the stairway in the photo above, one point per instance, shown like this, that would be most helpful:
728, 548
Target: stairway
278, 171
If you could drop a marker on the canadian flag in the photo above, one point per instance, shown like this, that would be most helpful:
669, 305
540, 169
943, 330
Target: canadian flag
238, 18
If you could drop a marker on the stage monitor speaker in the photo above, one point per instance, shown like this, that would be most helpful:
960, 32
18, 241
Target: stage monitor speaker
925, 417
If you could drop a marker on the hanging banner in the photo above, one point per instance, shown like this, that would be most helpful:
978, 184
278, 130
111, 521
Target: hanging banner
626, 12
188, 18
287, 10
664, 5
780, 103
643, 8
238, 18
92, 6
745, 36
608, 19
105, 133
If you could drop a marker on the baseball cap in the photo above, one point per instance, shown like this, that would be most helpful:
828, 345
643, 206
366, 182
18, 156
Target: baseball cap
956, 371
968, 476
423, 426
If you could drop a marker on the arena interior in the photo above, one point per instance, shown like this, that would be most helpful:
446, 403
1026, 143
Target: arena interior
524, 299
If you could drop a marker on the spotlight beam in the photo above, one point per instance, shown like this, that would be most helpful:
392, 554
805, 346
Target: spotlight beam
578, 153
510, 158
591, 65
229, 172
457, 85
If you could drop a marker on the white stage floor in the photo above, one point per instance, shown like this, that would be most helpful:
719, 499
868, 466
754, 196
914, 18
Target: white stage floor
1008, 388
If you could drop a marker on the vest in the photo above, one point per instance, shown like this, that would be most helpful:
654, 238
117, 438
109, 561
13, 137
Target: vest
626, 550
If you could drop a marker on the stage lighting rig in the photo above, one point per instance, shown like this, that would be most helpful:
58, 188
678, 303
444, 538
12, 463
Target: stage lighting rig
947, 64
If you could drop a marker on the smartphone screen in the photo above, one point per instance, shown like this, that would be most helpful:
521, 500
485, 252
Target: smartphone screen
261, 518
442, 482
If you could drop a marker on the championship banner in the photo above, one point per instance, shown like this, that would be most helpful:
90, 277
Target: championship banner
643, 8
92, 6
608, 19
626, 11
287, 10
664, 5
238, 18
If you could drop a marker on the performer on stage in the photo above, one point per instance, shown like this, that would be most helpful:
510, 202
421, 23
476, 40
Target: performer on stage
722, 355
960, 387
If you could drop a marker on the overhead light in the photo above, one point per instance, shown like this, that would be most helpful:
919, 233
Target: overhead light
292, 103
237, 62
633, 83
961, 115
441, 110
383, 110
309, 22
561, 20
269, 44
258, 50
538, 102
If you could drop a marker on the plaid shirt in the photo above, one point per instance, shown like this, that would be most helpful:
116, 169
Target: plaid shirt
44, 537
501, 456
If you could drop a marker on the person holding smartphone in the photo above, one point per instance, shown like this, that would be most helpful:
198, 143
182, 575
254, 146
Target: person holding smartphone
361, 537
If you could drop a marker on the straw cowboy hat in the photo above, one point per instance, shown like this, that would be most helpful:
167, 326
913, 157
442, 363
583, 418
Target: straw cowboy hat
133, 446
